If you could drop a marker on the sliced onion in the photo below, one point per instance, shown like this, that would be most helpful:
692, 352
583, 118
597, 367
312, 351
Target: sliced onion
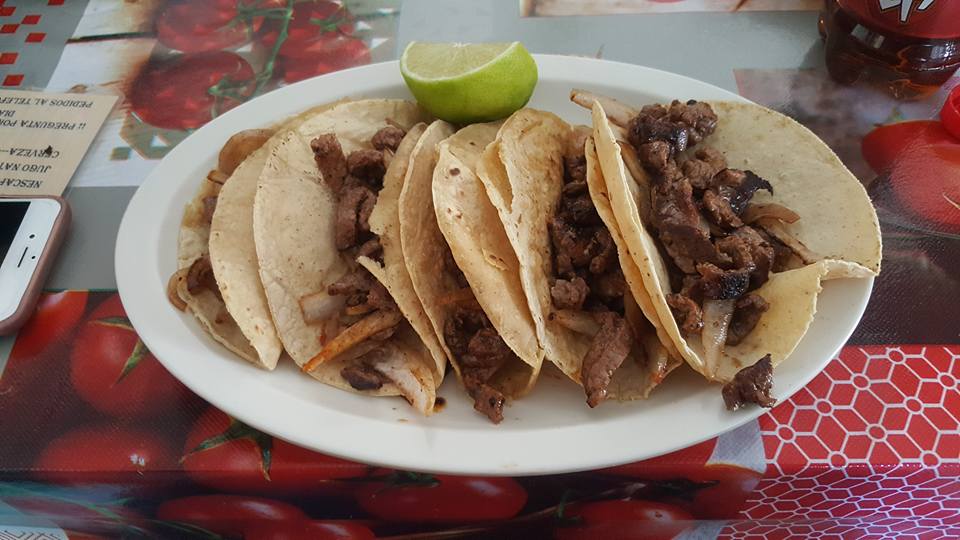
778, 230
172, 295
618, 113
320, 306
716, 320
199, 275
356, 333
414, 381
580, 322
756, 212
362, 309
239, 146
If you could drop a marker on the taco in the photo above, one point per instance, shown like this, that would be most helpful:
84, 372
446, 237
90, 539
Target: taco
734, 214
464, 271
324, 223
542, 177
195, 284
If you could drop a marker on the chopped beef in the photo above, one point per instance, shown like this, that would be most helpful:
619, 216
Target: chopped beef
363, 377
608, 350
460, 326
696, 204
487, 400
682, 125
365, 211
687, 313
200, 276
388, 138
735, 248
719, 211
653, 124
351, 283
480, 352
575, 169
679, 226
362, 289
748, 249
751, 384
580, 210
656, 156
328, 154
719, 284
782, 254
367, 165
701, 169
353, 210
573, 189
569, 294
609, 286
738, 187
371, 248
209, 207
486, 350
568, 241
746, 314
606, 256
697, 116
378, 297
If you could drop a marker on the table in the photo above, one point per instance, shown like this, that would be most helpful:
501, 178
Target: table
869, 449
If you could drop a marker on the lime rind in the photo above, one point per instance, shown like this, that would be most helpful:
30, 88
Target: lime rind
490, 91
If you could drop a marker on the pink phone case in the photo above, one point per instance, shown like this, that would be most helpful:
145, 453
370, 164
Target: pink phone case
44, 264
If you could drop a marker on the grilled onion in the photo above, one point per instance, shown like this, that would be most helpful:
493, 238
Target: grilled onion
756, 212
319, 306
717, 315
776, 229
172, 295
357, 333
618, 113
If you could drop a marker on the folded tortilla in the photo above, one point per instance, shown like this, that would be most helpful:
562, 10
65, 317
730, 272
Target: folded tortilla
237, 317
206, 305
837, 221
522, 171
444, 204
293, 223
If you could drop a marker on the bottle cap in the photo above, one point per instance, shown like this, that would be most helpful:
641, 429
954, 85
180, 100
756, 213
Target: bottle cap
950, 113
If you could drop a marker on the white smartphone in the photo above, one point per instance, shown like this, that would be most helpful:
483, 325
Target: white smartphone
31, 230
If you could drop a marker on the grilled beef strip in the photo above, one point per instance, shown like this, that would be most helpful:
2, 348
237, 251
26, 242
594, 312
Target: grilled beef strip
697, 204
363, 377
746, 315
328, 154
356, 180
751, 384
607, 351
587, 277
388, 138
480, 352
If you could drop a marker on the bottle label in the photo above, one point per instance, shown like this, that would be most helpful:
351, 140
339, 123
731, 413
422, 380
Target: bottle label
934, 19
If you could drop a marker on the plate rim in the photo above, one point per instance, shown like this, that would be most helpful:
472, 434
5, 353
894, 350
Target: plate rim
560, 68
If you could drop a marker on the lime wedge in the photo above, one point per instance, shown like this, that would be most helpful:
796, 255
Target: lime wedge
469, 82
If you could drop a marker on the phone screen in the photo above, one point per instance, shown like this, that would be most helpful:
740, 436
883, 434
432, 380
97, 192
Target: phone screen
11, 216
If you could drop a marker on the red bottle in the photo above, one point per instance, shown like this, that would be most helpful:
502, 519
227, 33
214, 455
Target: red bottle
908, 47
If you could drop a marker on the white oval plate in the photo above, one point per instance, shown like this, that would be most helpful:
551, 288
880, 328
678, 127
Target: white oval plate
550, 431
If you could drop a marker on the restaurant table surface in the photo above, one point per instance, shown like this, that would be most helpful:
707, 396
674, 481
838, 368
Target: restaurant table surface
870, 448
